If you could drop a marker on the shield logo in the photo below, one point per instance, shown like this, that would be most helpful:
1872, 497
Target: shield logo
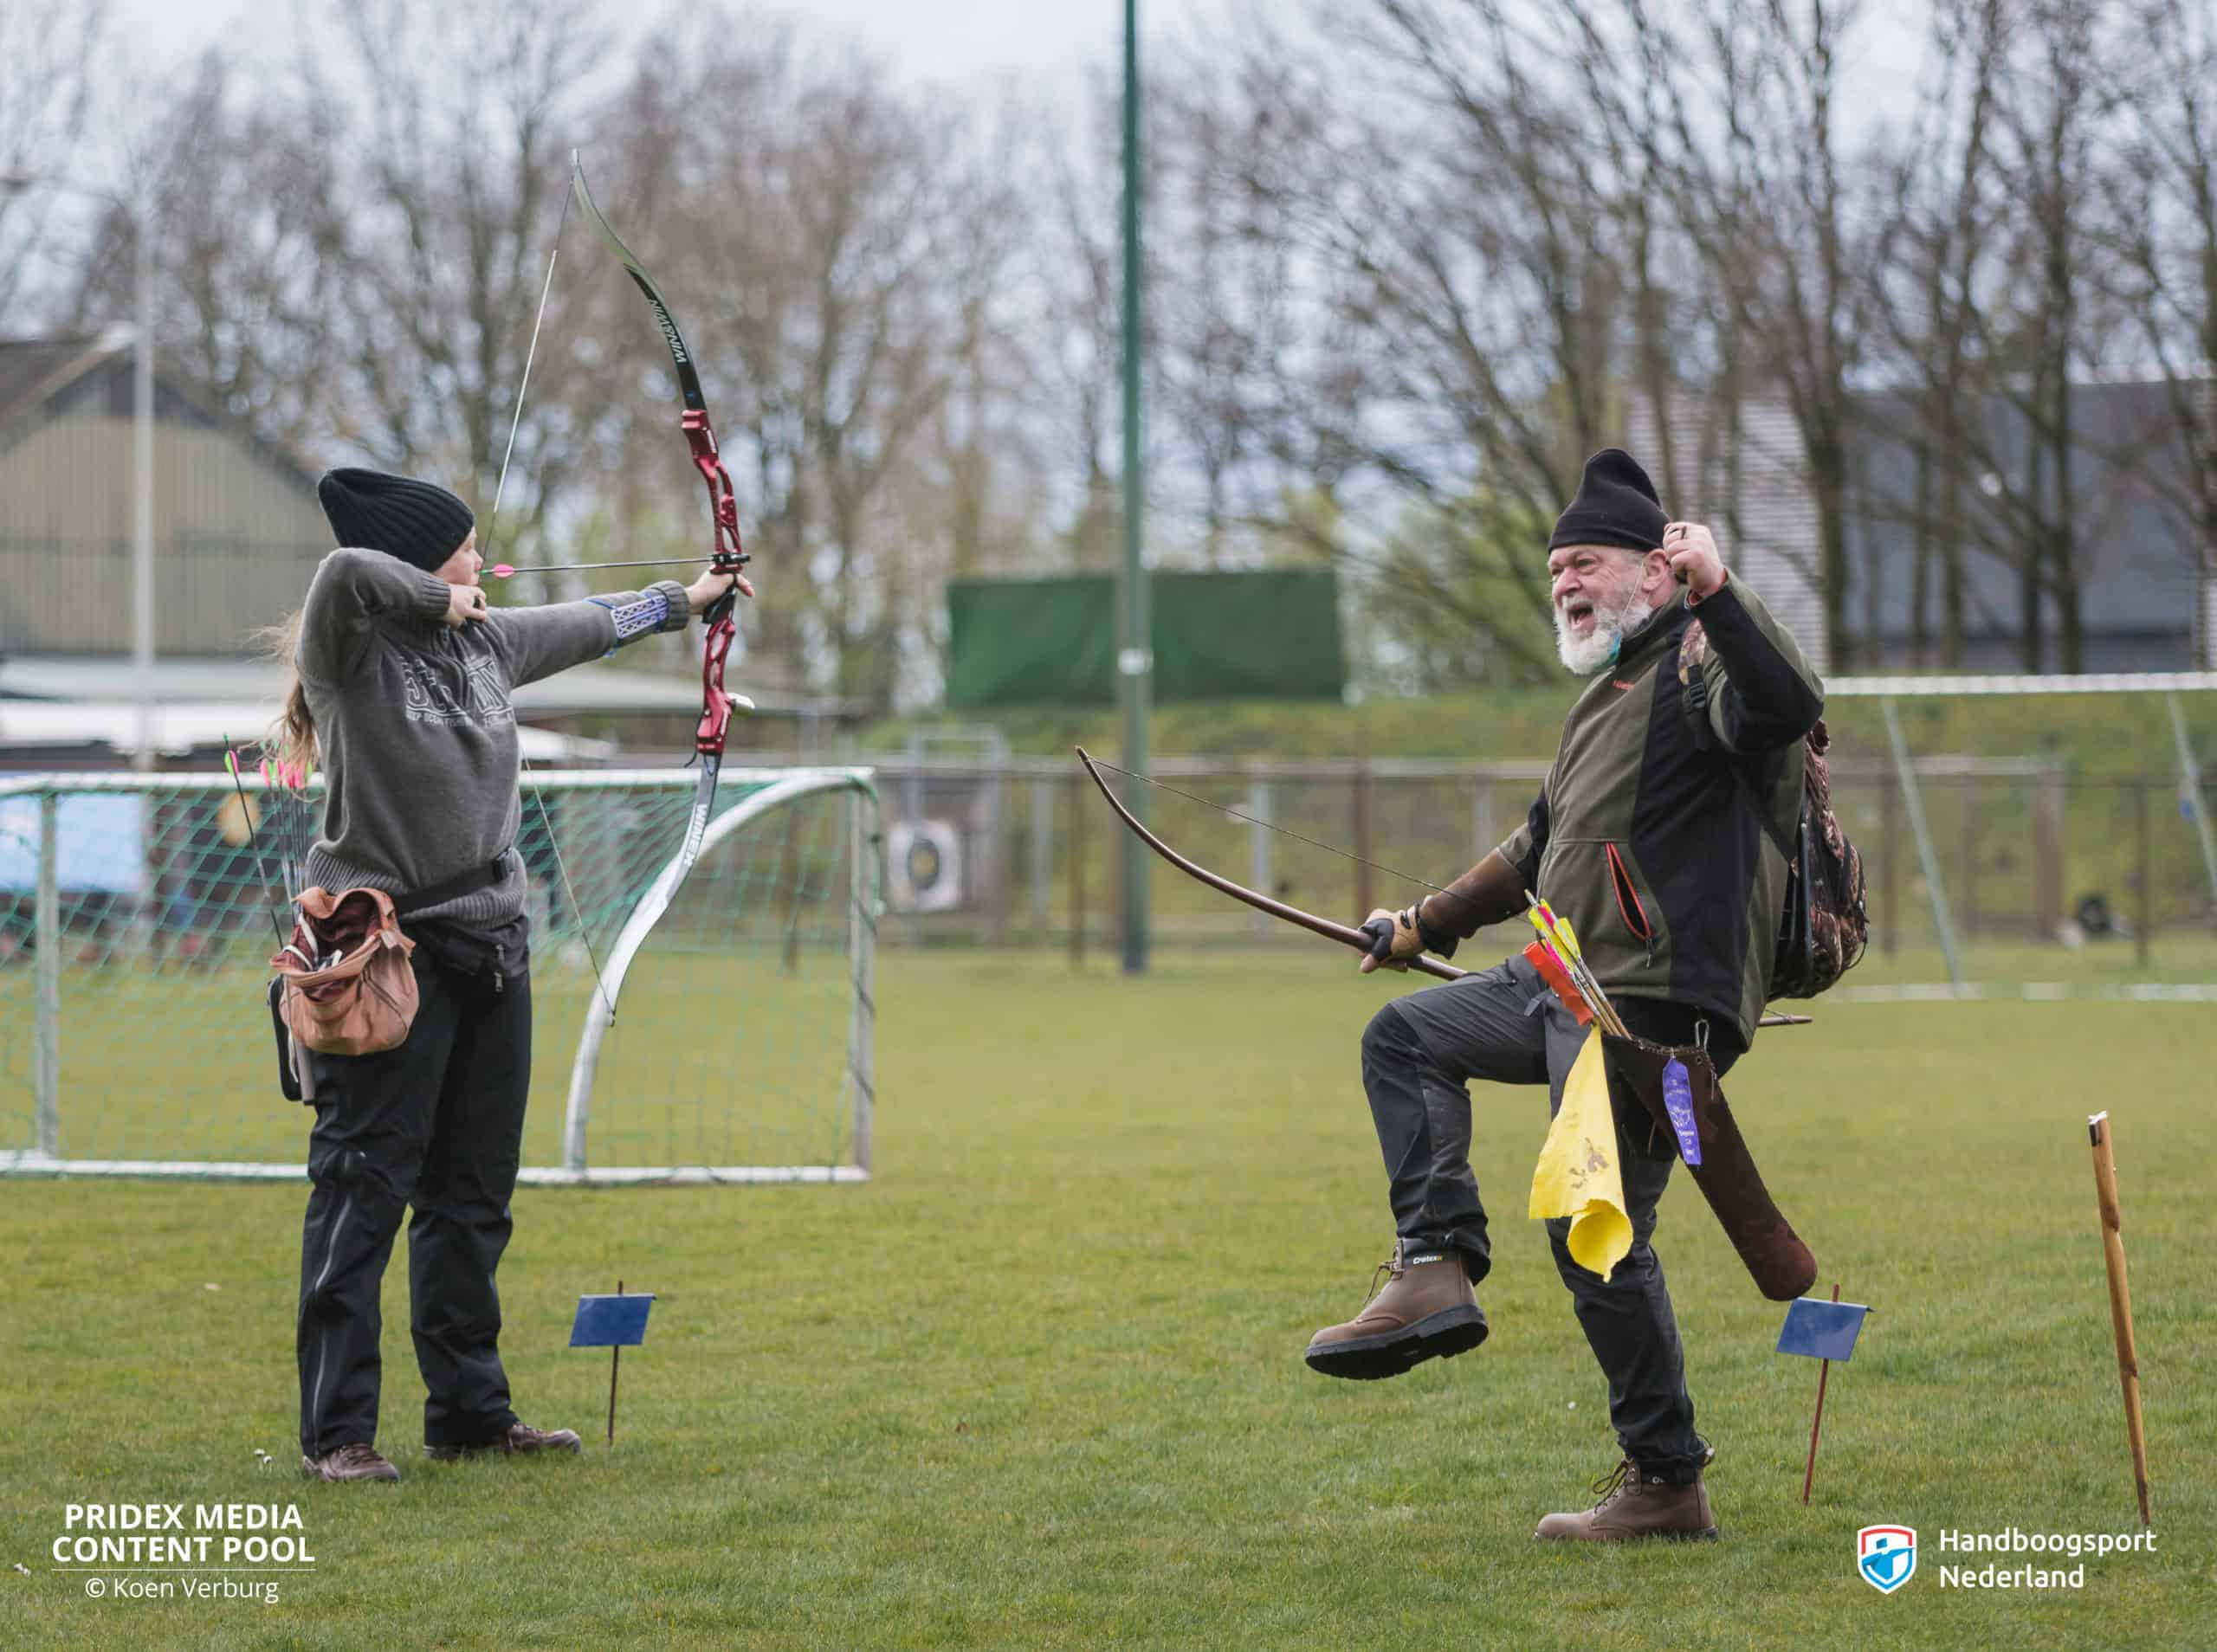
1886, 1556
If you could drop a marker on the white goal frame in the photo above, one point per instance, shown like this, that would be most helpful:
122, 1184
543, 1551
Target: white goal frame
1886, 690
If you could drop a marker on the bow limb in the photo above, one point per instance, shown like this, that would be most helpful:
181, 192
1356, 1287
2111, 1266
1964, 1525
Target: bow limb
729, 555
1308, 921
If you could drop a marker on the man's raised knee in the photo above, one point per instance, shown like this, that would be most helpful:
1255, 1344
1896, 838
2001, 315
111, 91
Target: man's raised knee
1388, 1038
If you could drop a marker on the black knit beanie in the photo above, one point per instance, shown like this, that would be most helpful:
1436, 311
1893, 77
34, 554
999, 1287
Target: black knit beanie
420, 523
1616, 505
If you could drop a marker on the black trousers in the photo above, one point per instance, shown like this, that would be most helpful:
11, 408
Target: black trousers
437, 1123
1504, 1025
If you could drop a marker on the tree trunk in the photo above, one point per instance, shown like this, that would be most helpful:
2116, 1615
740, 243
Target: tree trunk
1920, 566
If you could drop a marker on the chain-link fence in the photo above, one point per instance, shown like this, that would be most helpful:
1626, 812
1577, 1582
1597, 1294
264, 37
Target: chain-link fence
138, 913
2026, 874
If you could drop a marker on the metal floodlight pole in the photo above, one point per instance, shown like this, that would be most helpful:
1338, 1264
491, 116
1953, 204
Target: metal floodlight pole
1134, 662
142, 502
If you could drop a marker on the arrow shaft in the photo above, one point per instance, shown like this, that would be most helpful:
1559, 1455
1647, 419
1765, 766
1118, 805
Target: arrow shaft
504, 571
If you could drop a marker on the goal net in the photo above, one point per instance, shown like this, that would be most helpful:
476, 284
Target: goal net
138, 914
2084, 864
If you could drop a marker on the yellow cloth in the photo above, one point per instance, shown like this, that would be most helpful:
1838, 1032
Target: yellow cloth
1578, 1175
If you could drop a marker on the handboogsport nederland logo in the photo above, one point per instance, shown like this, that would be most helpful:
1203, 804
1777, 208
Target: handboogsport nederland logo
1886, 1556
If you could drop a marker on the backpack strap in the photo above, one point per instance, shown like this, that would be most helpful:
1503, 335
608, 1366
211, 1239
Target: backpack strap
1693, 701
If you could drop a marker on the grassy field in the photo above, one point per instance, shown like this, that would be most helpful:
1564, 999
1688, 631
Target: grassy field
1039, 1384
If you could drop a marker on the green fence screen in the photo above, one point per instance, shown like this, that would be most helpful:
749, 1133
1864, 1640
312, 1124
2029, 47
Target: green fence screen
1267, 635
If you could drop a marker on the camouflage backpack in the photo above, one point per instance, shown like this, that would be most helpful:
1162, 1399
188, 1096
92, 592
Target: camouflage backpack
1823, 926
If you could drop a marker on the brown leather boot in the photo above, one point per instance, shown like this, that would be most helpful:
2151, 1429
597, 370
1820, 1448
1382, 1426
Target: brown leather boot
358, 1460
1425, 1311
1633, 1505
521, 1438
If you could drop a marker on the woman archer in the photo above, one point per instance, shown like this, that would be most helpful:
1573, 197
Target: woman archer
402, 677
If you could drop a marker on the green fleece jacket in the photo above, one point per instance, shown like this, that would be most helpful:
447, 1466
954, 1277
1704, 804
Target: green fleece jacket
1650, 833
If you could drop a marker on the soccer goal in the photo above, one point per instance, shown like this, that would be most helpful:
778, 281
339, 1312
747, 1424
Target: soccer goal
2085, 866
728, 1040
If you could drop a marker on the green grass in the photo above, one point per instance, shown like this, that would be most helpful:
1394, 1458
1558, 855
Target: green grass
1039, 1384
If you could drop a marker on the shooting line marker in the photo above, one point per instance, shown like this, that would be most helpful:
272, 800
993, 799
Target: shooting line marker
2128, 1357
1823, 1331
614, 1323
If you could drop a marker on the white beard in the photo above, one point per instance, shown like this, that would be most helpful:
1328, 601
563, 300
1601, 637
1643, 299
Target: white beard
1596, 651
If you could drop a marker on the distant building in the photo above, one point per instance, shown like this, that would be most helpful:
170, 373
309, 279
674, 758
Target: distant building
236, 528
2148, 588
238, 535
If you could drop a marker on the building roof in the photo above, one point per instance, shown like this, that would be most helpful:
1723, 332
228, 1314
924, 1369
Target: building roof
582, 691
33, 369
170, 729
42, 379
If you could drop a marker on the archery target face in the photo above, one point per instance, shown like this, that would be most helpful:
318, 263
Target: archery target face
924, 873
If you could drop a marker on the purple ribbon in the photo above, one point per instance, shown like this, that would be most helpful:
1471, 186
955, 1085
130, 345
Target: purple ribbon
1679, 1098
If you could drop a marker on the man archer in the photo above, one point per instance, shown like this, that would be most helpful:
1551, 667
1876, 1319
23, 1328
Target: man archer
1649, 834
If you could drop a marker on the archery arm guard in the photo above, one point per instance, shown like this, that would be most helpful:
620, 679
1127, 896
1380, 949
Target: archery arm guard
1489, 892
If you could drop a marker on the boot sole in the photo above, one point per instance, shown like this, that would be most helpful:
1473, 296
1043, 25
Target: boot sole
1366, 1359
309, 1471
1710, 1535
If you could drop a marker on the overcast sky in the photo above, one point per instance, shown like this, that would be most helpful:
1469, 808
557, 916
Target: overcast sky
927, 39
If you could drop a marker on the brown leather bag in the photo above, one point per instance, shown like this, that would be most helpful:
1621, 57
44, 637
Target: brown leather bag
346, 985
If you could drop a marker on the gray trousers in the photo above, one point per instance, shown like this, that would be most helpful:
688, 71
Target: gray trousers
1503, 1025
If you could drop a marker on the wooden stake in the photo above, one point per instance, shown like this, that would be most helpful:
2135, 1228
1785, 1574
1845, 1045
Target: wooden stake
2128, 1358
615, 1364
1824, 1370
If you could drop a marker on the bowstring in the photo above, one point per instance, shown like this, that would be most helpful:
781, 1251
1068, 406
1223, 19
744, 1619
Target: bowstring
530, 355
1283, 831
523, 763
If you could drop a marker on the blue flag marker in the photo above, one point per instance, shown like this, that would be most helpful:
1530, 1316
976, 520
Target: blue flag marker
1826, 1332
611, 1321
1820, 1330
614, 1323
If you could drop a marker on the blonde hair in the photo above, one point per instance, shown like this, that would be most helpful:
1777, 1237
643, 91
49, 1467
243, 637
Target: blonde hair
291, 739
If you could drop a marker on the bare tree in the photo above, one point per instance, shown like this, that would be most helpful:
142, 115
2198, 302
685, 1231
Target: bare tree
2164, 230
818, 214
2043, 326
1934, 246
49, 51
444, 192
1753, 155
243, 291
1465, 354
